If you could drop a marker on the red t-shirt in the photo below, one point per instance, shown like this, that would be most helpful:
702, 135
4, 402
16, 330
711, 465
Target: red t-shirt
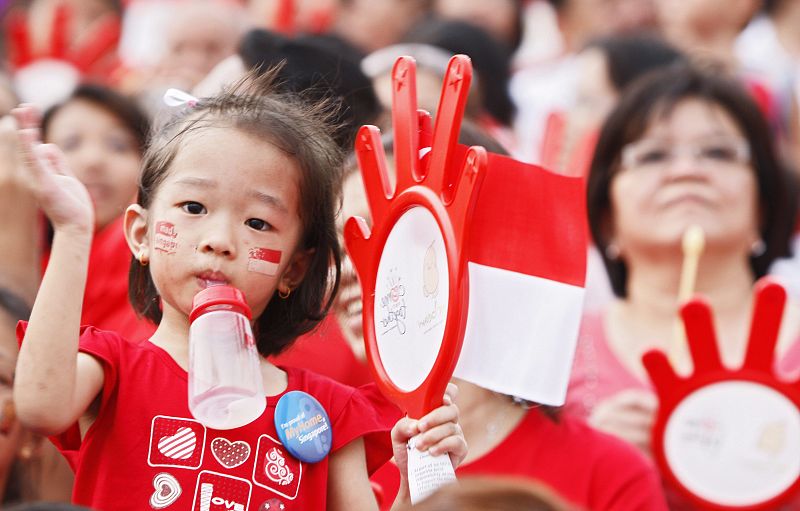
144, 449
586, 467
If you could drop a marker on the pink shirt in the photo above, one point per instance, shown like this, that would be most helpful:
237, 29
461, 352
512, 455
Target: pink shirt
598, 374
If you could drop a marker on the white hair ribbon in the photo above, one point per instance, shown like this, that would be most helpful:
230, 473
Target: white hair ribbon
176, 97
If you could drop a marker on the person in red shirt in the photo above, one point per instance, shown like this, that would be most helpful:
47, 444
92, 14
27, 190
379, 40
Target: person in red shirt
511, 438
588, 468
231, 178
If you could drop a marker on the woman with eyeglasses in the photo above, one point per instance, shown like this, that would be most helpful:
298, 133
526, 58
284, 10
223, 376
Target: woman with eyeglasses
685, 146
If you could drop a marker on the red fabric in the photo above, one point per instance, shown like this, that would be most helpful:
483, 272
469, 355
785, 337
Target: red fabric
120, 460
325, 351
590, 469
105, 303
523, 208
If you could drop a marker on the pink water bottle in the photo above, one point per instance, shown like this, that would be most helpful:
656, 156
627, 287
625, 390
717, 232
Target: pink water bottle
226, 389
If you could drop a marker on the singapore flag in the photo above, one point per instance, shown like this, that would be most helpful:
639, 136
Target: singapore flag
527, 265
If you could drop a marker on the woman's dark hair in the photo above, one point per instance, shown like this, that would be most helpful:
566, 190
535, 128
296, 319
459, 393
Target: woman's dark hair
490, 59
630, 56
125, 109
300, 129
654, 96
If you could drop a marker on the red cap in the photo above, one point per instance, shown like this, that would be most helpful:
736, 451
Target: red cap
219, 295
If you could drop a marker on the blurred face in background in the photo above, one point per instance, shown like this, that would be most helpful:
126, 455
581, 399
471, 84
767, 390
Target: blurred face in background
582, 20
199, 36
103, 154
373, 24
687, 22
306, 16
348, 300
691, 166
596, 95
498, 17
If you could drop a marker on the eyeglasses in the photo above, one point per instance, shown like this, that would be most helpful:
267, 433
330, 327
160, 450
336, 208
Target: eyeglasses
710, 153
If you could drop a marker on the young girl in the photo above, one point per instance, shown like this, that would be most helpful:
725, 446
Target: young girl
233, 176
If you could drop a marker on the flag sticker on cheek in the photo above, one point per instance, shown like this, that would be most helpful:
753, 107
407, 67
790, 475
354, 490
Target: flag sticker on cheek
264, 260
165, 237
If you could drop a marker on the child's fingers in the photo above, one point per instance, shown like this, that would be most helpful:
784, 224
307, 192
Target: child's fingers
404, 429
441, 415
437, 434
28, 117
450, 394
455, 446
28, 145
53, 155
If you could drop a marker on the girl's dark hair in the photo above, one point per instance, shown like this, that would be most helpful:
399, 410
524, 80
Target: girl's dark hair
299, 128
630, 56
123, 108
654, 96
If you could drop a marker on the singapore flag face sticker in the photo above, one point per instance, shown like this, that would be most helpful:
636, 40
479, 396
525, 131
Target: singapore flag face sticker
264, 260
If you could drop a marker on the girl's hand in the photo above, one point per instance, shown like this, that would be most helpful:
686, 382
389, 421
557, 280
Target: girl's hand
440, 433
628, 415
62, 197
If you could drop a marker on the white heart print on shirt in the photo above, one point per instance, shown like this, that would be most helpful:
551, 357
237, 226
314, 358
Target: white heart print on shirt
179, 446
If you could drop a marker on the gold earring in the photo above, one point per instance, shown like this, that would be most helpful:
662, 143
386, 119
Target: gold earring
142, 259
284, 294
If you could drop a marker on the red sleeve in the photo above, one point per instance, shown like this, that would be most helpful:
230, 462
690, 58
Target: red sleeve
369, 415
105, 347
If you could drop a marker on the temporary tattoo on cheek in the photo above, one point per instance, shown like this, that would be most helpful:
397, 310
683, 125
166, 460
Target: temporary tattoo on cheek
165, 237
264, 260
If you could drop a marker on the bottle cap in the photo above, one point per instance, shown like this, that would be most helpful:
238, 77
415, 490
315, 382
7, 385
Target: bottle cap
303, 426
219, 297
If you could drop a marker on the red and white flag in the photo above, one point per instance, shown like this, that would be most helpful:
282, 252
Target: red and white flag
264, 260
527, 265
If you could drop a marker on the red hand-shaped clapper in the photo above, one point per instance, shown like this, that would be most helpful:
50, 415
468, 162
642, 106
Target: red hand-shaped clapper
51, 75
412, 264
729, 438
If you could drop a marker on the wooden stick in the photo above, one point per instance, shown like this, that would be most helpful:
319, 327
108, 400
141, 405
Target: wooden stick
693, 244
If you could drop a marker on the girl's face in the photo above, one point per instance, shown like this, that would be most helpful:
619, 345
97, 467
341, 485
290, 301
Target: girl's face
103, 154
226, 213
690, 167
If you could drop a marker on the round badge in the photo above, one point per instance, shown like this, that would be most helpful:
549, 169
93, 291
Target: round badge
303, 426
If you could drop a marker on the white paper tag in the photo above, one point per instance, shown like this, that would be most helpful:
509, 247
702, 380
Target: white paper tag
427, 473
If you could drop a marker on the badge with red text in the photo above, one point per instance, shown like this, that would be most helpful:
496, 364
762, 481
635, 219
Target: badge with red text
277, 470
220, 492
729, 439
176, 442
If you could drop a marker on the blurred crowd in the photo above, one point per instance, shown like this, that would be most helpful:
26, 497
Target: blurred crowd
675, 113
